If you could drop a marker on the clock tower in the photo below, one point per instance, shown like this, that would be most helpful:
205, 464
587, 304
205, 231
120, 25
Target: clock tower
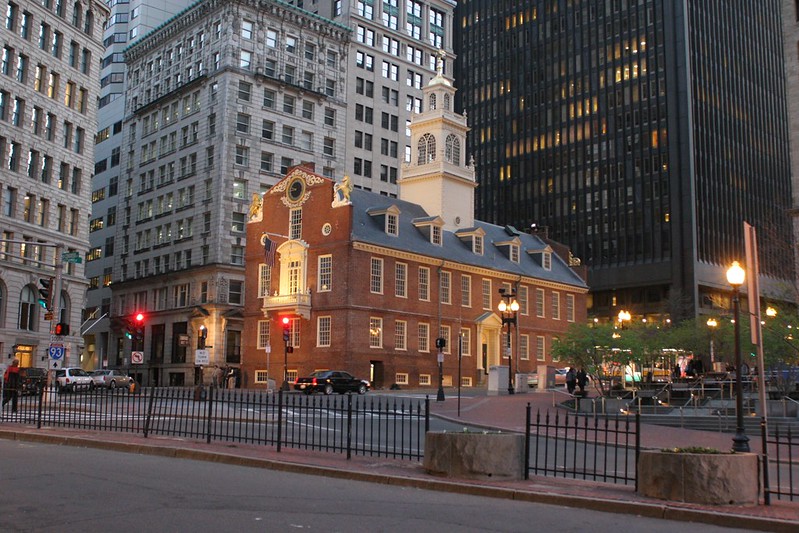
438, 177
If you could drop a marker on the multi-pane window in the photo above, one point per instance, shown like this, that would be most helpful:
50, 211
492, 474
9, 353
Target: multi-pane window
264, 280
323, 330
424, 284
555, 305
376, 276
400, 335
514, 253
295, 223
329, 147
570, 307
539, 303
435, 234
413, 25
546, 261
486, 288
523, 300
539, 348
245, 91
466, 341
392, 227
375, 332
243, 123
269, 99
246, 29
466, 290
242, 156
423, 337
401, 280
524, 346
325, 274
477, 245
267, 161
444, 333
263, 335
446, 287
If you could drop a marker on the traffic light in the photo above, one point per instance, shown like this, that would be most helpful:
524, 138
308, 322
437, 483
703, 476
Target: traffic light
202, 334
45, 293
286, 329
61, 328
441, 343
139, 326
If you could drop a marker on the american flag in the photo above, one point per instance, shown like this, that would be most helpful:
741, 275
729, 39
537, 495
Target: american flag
269, 252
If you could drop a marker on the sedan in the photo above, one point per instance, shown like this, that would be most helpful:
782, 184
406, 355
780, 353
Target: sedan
330, 381
72, 379
110, 379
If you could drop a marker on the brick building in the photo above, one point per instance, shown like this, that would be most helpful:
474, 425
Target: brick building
369, 282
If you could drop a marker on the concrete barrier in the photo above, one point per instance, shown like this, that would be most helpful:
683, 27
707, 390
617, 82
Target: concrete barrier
705, 478
475, 455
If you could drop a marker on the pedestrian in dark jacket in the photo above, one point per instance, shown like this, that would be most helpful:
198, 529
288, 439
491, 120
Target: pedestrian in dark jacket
571, 380
11, 384
582, 380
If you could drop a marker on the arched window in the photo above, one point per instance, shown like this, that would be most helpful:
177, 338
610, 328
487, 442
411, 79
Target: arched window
452, 151
432, 102
446, 102
427, 149
76, 11
88, 23
27, 310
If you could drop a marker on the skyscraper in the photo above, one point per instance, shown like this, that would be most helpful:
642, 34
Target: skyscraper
48, 94
640, 133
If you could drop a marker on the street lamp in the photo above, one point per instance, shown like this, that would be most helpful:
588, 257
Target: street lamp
712, 324
735, 277
508, 307
624, 316
286, 349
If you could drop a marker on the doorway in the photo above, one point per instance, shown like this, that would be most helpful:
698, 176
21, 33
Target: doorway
376, 374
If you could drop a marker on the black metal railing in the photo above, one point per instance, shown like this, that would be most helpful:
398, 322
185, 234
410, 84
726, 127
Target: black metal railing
780, 464
603, 449
351, 424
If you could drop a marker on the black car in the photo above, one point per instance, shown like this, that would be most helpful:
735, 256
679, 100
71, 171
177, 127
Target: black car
330, 381
32, 380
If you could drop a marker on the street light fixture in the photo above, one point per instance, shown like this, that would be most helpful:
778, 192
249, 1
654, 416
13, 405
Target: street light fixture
508, 308
712, 324
624, 316
735, 277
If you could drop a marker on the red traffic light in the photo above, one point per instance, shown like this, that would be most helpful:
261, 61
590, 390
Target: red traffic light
139, 317
286, 321
61, 329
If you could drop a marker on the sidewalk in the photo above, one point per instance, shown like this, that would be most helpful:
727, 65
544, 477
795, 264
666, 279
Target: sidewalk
497, 412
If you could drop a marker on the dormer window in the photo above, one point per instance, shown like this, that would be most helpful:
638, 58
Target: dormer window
392, 228
477, 245
546, 261
435, 235
514, 253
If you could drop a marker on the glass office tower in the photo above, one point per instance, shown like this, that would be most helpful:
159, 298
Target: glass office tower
641, 133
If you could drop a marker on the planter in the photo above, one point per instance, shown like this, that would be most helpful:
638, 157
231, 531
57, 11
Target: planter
475, 455
716, 479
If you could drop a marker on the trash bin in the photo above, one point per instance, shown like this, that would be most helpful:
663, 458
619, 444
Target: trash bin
200, 394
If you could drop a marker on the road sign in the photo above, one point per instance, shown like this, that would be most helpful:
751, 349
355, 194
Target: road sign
56, 351
71, 257
201, 358
137, 358
48, 316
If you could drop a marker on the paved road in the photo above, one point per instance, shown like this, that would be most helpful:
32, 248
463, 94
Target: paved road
51, 488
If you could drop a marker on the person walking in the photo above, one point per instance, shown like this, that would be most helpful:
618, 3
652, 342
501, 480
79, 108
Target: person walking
11, 384
216, 377
571, 380
582, 381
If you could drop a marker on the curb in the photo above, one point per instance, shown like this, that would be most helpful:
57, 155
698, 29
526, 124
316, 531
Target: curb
650, 510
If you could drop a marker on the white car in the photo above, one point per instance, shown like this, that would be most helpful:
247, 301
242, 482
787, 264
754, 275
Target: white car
73, 379
110, 379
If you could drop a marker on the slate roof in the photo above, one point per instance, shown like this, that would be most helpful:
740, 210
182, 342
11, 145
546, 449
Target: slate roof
371, 230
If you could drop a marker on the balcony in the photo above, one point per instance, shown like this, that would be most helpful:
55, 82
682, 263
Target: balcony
298, 304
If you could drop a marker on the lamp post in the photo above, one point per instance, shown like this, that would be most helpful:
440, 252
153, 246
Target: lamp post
508, 307
711, 323
735, 277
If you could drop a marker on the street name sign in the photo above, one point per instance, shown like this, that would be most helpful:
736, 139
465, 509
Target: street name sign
71, 257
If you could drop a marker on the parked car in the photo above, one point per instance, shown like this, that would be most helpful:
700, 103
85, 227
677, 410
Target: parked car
110, 379
32, 380
73, 379
560, 378
330, 381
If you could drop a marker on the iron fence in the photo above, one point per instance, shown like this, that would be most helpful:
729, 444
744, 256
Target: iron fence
780, 463
355, 425
603, 449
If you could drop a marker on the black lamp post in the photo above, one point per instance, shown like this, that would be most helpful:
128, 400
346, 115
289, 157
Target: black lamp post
735, 277
508, 307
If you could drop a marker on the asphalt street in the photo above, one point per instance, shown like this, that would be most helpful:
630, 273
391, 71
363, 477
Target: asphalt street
63, 488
